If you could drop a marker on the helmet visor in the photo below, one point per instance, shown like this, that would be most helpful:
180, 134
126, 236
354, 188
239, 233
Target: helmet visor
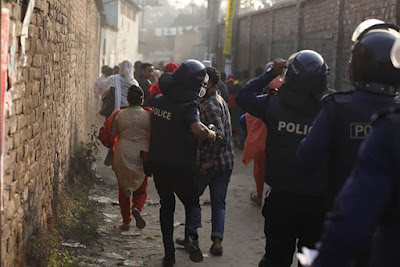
364, 26
288, 63
395, 54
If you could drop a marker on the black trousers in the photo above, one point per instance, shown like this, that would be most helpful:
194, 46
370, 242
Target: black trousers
290, 218
169, 182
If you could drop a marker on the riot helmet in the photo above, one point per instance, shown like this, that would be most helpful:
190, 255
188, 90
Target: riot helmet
185, 83
306, 71
375, 57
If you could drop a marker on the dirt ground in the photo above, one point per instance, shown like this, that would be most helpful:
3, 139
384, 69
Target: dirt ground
243, 243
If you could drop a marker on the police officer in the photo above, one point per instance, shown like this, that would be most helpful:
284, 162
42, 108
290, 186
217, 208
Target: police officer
344, 120
368, 202
175, 129
293, 209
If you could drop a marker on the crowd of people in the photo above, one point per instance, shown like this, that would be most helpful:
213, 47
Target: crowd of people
332, 174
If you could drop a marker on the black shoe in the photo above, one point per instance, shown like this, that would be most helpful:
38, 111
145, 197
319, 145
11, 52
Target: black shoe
192, 247
180, 241
168, 260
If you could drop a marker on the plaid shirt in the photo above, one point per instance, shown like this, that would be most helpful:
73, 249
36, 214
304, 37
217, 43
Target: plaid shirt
214, 110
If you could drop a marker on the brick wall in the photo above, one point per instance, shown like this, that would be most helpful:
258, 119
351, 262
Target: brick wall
52, 109
322, 25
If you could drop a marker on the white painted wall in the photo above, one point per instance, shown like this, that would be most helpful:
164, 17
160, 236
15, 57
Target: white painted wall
121, 41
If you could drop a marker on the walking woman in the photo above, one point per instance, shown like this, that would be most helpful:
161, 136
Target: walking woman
122, 82
130, 129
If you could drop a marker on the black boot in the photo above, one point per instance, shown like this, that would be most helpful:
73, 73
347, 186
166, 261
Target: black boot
192, 247
168, 260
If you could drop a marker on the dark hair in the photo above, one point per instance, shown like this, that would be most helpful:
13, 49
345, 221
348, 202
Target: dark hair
138, 65
135, 95
214, 75
116, 70
145, 65
223, 76
106, 70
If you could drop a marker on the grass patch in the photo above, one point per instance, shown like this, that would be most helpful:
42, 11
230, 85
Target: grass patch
78, 217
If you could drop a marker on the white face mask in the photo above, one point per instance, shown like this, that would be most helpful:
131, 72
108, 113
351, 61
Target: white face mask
203, 89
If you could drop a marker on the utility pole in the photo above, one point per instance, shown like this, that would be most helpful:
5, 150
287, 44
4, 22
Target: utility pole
213, 16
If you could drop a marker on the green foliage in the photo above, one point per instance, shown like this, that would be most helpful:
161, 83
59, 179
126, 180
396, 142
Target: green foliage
77, 215
78, 218
86, 155
91, 148
47, 251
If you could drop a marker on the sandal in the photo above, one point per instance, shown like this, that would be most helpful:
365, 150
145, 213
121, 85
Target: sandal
255, 199
140, 223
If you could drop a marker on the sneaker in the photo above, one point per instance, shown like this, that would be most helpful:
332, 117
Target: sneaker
192, 247
168, 260
140, 223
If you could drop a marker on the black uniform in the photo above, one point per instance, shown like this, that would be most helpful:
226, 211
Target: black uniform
172, 155
293, 210
368, 202
336, 135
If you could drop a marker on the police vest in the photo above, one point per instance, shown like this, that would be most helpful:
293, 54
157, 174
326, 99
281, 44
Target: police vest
286, 128
386, 244
351, 126
171, 141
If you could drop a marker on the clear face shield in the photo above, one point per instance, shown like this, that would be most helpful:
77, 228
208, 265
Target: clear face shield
203, 89
395, 54
288, 63
363, 26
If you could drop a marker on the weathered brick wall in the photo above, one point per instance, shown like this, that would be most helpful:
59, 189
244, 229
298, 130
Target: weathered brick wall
52, 109
354, 13
322, 25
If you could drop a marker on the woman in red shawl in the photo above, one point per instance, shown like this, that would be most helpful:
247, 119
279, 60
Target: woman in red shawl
254, 148
155, 89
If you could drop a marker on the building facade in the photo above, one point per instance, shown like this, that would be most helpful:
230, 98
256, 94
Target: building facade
120, 34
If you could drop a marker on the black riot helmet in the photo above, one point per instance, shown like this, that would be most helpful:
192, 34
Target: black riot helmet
375, 57
306, 71
184, 84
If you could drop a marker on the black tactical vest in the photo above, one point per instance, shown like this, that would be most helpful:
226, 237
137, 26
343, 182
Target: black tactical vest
351, 126
386, 244
286, 128
171, 143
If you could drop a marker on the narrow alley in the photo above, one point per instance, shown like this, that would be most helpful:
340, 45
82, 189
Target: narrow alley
170, 89
243, 243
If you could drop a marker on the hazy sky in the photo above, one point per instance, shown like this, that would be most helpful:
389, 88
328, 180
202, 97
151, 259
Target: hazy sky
184, 3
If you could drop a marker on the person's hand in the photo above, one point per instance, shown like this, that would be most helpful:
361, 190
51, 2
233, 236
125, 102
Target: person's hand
212, 135
205, 166
278, 66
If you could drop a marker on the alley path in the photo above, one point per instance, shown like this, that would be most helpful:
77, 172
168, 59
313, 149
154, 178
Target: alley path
243, 243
